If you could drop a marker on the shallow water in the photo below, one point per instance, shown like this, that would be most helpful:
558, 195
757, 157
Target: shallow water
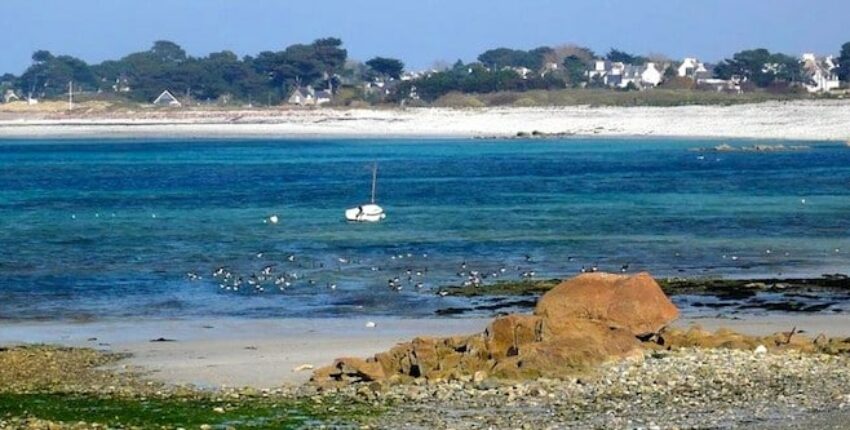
108, 228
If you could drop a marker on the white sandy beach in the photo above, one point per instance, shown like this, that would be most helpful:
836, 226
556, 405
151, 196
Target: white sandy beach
263, 353
803, 120
236, 352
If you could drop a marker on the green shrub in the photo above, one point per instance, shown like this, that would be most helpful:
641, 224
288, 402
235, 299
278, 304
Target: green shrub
459, 100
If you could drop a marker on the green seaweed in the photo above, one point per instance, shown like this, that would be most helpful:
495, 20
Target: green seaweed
733, 288
185, 412
504, 288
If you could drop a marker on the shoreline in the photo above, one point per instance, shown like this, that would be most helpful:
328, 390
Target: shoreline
261, 353
799, 120
267, 353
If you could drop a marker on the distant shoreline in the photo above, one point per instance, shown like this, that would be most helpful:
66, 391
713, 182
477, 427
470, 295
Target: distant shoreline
798, 120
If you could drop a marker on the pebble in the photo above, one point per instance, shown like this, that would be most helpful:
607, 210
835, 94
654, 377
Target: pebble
691, 388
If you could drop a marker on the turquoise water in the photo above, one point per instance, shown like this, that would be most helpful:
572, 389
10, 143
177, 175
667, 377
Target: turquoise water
107, 228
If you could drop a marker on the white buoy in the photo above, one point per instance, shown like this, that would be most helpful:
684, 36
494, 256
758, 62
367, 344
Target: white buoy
371, 324
274, 219
802, 201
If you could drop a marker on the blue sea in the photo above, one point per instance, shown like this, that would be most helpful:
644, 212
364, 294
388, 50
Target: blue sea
119, 228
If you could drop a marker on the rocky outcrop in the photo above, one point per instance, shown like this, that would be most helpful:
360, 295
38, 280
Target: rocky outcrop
793, 340
349, 370
633, 303
581, 323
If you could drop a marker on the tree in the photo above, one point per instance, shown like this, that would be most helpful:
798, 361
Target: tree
844, 63
536, 58
41, 56
505, 57
330, 54
387, 67
670, 72
761, 67
576, 70
167, 52
313, 64
49, 75
585, 54
617, 56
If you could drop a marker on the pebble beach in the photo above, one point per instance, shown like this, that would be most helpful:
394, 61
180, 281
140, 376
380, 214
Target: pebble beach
797, 120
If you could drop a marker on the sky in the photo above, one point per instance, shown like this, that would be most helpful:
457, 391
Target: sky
420, 32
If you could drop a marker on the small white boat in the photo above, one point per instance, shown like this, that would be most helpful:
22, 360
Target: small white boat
369, 212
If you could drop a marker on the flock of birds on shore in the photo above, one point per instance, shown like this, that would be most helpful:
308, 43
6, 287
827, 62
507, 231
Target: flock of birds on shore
406, 271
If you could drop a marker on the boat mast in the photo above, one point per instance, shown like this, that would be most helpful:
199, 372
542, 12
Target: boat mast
70, 96
374, 180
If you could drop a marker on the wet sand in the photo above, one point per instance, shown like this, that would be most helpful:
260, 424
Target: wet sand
235, 352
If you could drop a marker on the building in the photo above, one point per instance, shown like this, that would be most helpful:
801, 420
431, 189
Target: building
651, 75
10, 96
308, 96
323, 96
302, 96
691, 68
523, 72
822, 73
167, 99
620, 75
380, 87
121, 85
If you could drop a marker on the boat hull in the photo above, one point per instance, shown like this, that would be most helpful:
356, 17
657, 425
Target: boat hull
365, 213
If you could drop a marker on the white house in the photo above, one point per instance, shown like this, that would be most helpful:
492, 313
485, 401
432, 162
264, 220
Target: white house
822, 73
523, 72
302, 96
121, 85
10, 96
617, 74
167, 99
599, 70
308, 96
651, 76
690, 68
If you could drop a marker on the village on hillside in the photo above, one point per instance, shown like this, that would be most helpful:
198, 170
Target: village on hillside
321, 74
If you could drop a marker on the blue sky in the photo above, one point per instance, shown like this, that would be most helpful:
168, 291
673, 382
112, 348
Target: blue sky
422, 31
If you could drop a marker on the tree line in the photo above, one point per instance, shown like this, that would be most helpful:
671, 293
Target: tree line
270, 75
141, 76
496, 70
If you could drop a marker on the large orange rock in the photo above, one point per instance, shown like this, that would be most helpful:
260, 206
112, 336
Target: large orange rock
588, 345
634, 303
349, 369
581, 323
506, 335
